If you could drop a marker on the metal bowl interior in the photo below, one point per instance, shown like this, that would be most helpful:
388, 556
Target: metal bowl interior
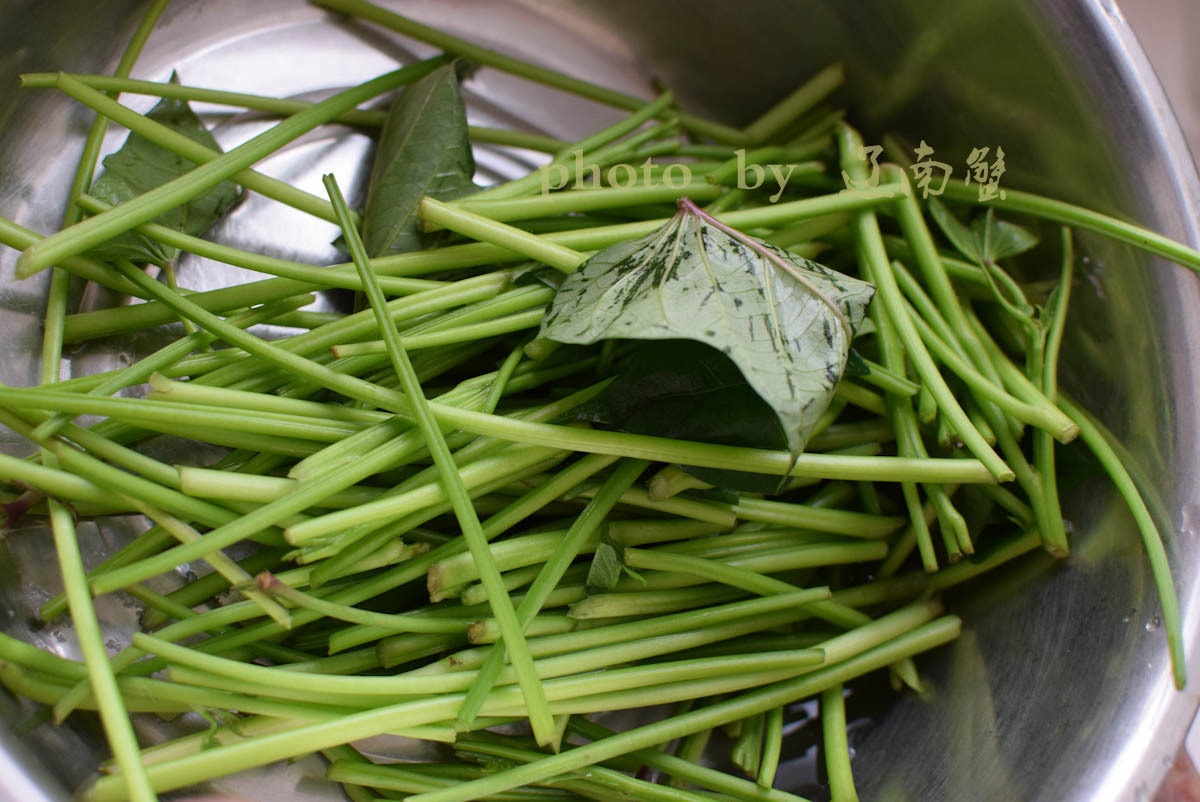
1060, 688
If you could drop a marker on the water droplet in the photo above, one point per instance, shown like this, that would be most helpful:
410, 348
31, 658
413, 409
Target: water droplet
1153, 624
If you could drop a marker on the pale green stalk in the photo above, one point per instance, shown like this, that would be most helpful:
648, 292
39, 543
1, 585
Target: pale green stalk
507, 210
772, 747
471, 332
524, 69
924, 636
584, 527
103, 322
805, 97
452, 483
166, 356
706, 569
54, 320
1077, 217
373, 118
504, 236
316, 277
837, 750
191, 150
874, 257
353, 615
88, 233
720, 781
104, 684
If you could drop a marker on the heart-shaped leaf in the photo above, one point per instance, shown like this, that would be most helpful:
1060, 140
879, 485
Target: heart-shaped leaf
141, 165
424, 149
988, 238
784, 321
1001, 239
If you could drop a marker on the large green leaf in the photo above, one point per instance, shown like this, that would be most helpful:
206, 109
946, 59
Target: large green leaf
424, 149
140, 165
785, 322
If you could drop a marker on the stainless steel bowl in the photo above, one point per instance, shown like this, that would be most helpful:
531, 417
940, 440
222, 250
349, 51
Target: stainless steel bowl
1060, 688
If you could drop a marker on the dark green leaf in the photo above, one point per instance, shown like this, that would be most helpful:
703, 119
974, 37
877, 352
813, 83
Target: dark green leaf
856, 365
786, 322
987, 240
1000, 239
140, 165
961, 237
423, 150
687, 390
532, 273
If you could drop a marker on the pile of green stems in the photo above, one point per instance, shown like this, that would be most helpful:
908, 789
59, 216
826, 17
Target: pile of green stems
422, 513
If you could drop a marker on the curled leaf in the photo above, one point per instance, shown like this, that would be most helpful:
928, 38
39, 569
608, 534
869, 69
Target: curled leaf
784, 321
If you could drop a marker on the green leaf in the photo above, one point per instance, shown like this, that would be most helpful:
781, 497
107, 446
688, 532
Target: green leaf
140, 165
605, 570
987, 240
687, 390
856, 365
961, 237
784, 321
1000, 239
423, 150
532, 273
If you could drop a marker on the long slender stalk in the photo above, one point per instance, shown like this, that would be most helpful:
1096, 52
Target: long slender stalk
804, 97
524, 69
507, 210
837, 750
701, 775
872, 251
168, 355
1043, 446
56, 295
224, 759
94, 324
317, 277
710, 716
108, 698
452, 484
505, 236
373, 118
94, 230
552, 571
193, 151
1069, 214
1156, 553
1050, 521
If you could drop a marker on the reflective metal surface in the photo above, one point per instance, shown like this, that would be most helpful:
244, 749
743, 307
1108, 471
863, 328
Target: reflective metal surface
1060, 688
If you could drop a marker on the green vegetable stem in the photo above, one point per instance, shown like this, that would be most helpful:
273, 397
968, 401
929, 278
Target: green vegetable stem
579, 446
